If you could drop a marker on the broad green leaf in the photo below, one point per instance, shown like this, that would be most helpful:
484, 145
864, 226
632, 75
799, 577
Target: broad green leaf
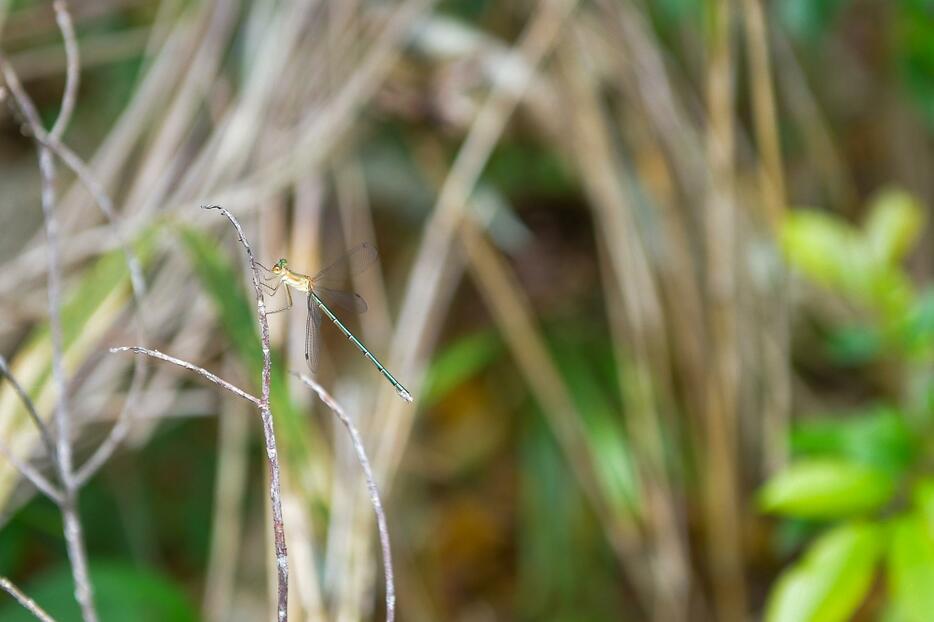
807, 19
90, 309
917, 331
841, 258
606, 438
912, 37
923, 497
121, 592
831, 580
826, 249
236, 312
878, 438
911, 568
855, 345
893, 226
458, 362
826, 489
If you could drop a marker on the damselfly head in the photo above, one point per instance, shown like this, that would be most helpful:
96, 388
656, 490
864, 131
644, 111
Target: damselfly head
279, 267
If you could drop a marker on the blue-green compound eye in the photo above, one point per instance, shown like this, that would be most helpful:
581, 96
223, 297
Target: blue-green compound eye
280, 264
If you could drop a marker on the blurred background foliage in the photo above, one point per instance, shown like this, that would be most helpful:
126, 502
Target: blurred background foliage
669, 325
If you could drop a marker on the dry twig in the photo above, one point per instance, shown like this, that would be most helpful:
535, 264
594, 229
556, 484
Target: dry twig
372, 489
272, 453
29, 604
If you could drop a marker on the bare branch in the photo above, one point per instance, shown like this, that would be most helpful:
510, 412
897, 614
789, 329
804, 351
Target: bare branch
381, 524
35, 477
73, 71
30, 408
272, 452
52, 141
29, 604
68, 500
191, 367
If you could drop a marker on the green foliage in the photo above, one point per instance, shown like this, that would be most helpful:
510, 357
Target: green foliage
851, 346
860, 264
605, 436
121, 592
808, 19
911, 569
853, 463
826, 489
831, 580
878, 438
235, 310
913, 48
458, 362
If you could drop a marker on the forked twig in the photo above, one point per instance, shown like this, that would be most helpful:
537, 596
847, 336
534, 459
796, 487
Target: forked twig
51, 142
68, 500
29, 604
372, 489
272, 452
191, 367
30, 408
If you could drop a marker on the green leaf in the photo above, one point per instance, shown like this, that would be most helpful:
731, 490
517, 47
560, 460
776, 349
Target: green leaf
224, 287
831, 580
808, 19
604, 431
458, 362
878, 438
917, 331
826, 489
121, 592
911, 568
923, 497
913, 50
893, 226
824, 248
832, 253
851, 346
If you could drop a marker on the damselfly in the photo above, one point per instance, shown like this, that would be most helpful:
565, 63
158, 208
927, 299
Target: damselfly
321, 298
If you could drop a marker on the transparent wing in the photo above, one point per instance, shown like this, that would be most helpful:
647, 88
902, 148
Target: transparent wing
348, 301
357, 259
312, 335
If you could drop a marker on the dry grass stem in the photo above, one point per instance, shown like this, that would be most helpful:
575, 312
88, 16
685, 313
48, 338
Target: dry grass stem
371, 486
227, 527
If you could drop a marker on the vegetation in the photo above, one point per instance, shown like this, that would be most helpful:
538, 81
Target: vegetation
657, 274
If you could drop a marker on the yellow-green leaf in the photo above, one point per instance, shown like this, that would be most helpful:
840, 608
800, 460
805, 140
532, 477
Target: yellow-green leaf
826, 249
826, 489
893, 226
831, 580
911, 569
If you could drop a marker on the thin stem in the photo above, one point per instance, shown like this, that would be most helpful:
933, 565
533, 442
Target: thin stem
272, 452
29, 604
35, 477
68, 502
372, 489
73, 70
30, 408
191, 367
52, 142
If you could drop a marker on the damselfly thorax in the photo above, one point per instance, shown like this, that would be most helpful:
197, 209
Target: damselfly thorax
295, 280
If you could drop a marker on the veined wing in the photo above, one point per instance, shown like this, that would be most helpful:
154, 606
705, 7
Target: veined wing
347, 301
312, 335
357, 259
